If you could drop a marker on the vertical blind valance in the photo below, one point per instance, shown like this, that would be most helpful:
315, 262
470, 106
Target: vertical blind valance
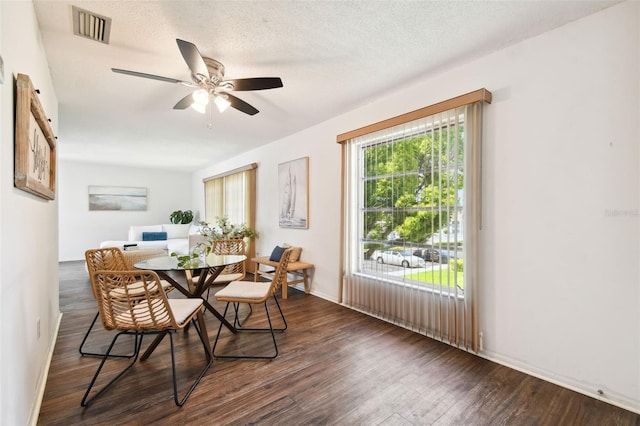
480, 95
251, 166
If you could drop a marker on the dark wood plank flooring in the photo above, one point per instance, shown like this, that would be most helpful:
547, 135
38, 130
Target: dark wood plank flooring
336, 367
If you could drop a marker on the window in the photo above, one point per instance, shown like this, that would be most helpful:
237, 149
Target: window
411, 215
231, 194
411, 185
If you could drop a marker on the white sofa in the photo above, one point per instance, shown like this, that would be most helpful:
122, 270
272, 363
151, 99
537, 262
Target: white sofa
177, 238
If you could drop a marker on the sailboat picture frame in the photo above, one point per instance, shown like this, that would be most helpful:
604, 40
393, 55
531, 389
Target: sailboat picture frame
293, 193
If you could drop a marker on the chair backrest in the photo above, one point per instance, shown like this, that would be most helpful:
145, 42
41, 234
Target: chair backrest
132, 257
107, 259
231, 246
280, 274
129, 300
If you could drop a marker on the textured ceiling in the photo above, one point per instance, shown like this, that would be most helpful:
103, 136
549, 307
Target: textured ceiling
331, 55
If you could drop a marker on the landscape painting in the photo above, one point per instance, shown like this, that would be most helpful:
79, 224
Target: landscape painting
293, 193
117, 198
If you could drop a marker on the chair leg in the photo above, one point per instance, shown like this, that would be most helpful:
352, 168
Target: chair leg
236, 321
268, 317
86, 335
244, 329
284, 320
215, 343
273, 335
138, 343
208, 356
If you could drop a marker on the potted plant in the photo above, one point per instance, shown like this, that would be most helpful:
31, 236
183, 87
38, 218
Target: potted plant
181, 217
223, 229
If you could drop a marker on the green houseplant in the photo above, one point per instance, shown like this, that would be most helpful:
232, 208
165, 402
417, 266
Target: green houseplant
224, 229
181, 217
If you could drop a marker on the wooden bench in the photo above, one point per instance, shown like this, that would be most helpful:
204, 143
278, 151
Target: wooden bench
297, 268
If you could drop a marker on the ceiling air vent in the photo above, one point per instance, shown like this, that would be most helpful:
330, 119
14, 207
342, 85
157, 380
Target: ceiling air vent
91, 25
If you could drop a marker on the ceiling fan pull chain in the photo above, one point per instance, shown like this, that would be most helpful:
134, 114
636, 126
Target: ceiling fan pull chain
210, 124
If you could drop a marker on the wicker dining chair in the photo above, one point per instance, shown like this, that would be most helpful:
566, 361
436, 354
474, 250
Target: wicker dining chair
113, 259
255, 293
129, 302
235, 272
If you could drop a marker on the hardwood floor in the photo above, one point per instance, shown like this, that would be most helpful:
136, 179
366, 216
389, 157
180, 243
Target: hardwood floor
336, 367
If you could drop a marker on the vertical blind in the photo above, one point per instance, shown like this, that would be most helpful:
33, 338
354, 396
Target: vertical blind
411, 203
231, 194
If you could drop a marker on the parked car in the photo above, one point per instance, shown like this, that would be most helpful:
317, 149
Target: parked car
398, 257
445, 255
429, 254
436, 255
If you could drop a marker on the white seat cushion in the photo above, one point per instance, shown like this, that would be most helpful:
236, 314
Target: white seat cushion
226, 278
183, 308
245, 290
222, 278
179, 246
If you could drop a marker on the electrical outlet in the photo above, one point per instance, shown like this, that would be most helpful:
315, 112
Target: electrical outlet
38, 327
481, 340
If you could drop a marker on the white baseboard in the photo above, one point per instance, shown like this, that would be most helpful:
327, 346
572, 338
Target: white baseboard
42, 382
614, 399
300, 286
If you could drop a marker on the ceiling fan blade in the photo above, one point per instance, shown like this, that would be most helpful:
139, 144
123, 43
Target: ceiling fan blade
193, 58
185, 102
260, 83
153, 77
241, 105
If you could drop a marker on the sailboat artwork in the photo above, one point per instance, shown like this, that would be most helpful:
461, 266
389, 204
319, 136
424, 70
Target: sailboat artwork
293, 187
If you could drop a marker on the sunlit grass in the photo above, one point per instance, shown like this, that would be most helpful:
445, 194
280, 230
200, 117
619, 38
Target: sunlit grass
444, 277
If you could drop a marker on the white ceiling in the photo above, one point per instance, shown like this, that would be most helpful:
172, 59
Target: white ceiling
332, 56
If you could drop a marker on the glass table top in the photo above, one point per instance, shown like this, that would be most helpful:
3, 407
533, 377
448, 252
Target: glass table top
171, 263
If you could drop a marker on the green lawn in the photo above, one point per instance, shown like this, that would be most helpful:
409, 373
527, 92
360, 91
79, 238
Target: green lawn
443, 277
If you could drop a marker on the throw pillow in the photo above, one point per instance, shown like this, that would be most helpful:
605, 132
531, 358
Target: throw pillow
135, 232
154, 236
176, 230
276, 254
295, 254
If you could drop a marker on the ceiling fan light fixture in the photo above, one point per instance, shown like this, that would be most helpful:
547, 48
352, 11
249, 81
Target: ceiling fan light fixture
201, 96
222, 103
200, 100
199, 107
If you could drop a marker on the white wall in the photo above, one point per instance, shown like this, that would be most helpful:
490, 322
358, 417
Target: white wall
560, 262
320, 241
29, 229
81, 229
559, 246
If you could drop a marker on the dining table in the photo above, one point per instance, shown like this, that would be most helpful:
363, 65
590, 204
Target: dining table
207, 267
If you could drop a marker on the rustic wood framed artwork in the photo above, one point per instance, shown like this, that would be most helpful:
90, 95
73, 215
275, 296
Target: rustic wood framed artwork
35, 144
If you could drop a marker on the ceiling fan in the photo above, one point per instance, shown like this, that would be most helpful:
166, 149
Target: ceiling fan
208, 80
